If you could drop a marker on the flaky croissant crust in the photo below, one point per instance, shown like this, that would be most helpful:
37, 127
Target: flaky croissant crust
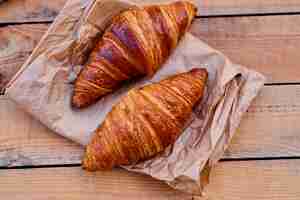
145, 121
137, 42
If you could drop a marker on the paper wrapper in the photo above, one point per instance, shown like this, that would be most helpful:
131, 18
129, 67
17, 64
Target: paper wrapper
43, 88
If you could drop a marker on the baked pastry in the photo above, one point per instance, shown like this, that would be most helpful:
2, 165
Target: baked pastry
145, 121
136, 44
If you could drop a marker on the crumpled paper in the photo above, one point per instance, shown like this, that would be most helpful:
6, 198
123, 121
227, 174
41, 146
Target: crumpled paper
43, 88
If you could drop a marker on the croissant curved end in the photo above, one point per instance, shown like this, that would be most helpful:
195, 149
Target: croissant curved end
191, 6
199, 72
88, 161
80, 100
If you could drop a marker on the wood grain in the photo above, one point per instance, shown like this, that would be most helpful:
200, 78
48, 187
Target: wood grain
239, 7
272, 179
269, 129
242, 7
16, 11
268, 44
74, 183
25, 141
264, 180
16, 44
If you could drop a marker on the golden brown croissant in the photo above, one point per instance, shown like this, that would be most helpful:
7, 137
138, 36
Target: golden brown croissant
145, 121
137, 42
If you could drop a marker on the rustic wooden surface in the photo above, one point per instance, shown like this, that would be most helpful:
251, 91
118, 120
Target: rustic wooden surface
268, 44
261, 163
16, 44
243, 7
16, 11
247, 180
28, 143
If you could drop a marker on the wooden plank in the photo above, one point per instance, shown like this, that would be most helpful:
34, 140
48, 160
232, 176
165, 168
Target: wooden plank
26, 142
248, 180
269, 129
272, 179
74, 183
242, 7
268, 44
16, 44
15, 11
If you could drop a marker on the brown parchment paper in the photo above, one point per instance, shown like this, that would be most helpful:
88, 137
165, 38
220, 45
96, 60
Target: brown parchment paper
43, 88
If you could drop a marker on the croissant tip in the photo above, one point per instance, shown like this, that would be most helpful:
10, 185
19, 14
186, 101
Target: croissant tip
191, 4
199, 71
75, 103
84, 164
78, 101
89, 163
87, 160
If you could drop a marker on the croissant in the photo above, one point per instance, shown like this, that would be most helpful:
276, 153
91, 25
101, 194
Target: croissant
145, 121
136, 44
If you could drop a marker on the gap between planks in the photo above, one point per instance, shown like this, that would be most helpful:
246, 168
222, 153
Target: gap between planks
15, 11
228, 181
268, 130
268, 44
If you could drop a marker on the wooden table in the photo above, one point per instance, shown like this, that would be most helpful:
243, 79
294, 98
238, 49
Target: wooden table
263, 161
